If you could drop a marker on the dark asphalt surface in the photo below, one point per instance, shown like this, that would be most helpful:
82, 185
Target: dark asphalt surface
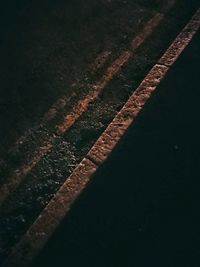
46, 49
142, 207
48, 46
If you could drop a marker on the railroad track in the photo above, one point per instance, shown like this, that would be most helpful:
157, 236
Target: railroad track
63, 130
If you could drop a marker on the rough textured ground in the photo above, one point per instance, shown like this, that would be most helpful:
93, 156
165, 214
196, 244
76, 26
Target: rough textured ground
59, 48
50, 48
142, 206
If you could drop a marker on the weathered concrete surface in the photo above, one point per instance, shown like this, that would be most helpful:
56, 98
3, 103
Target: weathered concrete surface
23, 207
50, 218
142, 207
105, 144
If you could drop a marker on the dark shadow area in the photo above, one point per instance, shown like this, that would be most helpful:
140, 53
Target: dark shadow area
142, 207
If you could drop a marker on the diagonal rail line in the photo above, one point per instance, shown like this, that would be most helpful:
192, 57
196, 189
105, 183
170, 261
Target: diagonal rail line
49, 219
